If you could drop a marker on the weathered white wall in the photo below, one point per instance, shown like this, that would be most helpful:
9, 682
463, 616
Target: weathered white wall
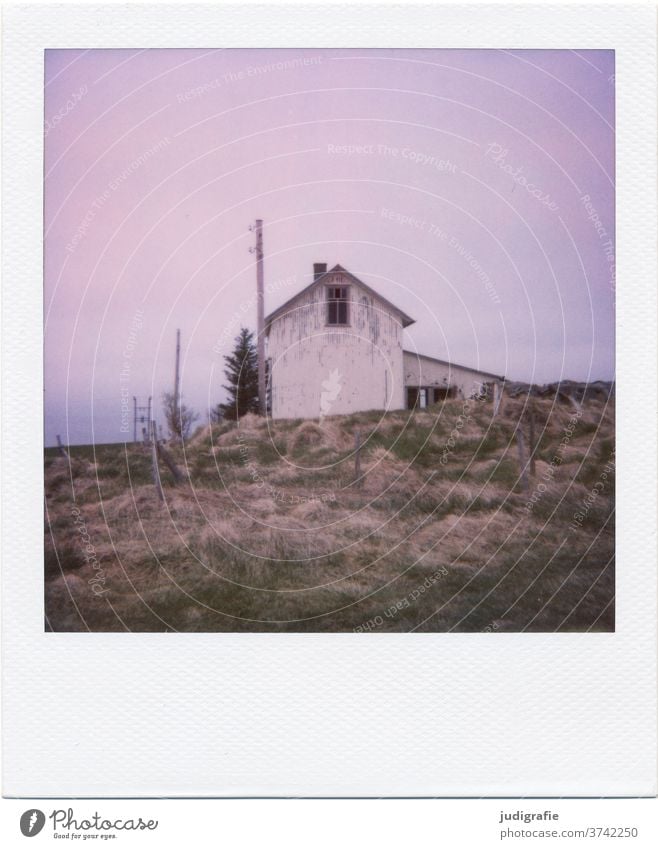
323, 370
424, 371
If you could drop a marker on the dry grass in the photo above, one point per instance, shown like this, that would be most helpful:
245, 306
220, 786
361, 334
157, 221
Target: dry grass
272, 533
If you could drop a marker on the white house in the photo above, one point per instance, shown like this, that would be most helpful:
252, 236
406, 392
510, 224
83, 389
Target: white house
336, 347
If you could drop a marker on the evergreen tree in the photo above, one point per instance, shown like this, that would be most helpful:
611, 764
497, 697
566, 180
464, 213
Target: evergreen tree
242, 375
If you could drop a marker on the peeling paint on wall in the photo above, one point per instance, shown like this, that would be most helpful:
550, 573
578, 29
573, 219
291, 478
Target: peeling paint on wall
305, 350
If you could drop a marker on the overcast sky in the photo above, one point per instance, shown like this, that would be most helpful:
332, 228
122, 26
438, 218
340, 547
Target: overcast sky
474, 189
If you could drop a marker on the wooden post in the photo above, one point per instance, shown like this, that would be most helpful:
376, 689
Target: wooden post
176, 410
135, 420
357, 456
497, 393
532, 446
148, 423
154, 462
169, 462
61, 448
523, 469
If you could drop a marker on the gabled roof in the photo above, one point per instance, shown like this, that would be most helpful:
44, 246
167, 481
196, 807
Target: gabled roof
453, 365
404, 318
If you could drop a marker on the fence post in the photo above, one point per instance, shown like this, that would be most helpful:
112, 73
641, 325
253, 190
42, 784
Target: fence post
169, 461
532, 446
523, 469
61, 448
154, 462
496, 397
357, 456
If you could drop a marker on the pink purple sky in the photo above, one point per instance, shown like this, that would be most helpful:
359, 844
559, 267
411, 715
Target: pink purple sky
474, 189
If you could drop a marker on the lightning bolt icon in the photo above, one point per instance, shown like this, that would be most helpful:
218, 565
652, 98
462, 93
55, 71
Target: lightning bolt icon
33, 819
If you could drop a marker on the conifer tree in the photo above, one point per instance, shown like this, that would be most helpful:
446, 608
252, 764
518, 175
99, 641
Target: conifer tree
241, 372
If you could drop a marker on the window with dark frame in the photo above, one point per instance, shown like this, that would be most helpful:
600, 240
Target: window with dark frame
337, 312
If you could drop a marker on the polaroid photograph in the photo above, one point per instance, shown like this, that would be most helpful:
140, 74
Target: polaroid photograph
416, 433
330, 402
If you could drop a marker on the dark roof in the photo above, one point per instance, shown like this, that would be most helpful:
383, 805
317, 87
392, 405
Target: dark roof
406, 320
454, 365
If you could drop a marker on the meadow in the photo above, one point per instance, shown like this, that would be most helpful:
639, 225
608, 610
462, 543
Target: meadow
446, 528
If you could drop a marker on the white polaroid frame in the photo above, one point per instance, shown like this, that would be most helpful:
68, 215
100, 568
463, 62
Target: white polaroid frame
119, 715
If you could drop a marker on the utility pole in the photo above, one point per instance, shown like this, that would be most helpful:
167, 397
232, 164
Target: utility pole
260, 317
141, 415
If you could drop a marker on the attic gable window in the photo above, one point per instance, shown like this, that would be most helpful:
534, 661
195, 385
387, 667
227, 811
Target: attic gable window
337, 310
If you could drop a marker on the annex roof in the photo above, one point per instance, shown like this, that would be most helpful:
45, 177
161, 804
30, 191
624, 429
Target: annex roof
453, 365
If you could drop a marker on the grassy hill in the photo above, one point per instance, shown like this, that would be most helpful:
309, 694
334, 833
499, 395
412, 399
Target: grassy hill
271, 532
